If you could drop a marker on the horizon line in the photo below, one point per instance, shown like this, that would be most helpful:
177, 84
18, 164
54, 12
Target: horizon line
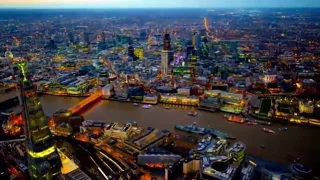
155, 8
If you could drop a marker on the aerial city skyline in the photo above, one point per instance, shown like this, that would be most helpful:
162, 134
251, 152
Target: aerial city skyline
105, 4
167, 92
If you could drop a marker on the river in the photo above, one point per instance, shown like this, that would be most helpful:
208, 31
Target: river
297, 140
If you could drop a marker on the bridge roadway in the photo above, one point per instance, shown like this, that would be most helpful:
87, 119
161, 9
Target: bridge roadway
92, 98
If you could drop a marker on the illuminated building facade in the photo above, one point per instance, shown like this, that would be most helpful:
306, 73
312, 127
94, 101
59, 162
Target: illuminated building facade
193, 59
139, 53
182, 70
181, 100
43, 159
230, 102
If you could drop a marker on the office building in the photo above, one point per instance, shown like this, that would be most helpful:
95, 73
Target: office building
86, 38
131, 51
167, 42
71, 37
167, 47
164, 62
196, 40
43, 159
103, 37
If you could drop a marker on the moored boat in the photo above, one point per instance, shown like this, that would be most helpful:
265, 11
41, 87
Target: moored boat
267, 130
148, 106
202, 131
236, 119
251, 123
135, 104
283, 128
192, 113
192, 129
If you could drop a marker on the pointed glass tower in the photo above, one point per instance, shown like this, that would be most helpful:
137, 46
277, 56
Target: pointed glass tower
43, 159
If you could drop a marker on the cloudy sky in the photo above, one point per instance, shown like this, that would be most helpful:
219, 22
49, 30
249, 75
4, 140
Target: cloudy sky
155, 3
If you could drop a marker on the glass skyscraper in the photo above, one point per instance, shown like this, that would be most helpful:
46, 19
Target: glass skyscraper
43, 159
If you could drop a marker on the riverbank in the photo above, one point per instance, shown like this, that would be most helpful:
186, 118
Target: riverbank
302, 122
297, 140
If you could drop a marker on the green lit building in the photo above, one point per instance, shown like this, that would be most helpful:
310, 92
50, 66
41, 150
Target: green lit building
193, 60
182, 70
43, 159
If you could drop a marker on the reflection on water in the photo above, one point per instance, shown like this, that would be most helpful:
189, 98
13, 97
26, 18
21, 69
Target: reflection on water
297, 140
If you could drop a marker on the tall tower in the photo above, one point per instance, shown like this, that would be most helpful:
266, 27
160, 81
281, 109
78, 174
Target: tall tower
43, 159
196, 40
166, 55
167, 42
131, 51
164, 63
71, 37
103, 37
86, 38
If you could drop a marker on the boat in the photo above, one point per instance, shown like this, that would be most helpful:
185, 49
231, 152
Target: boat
203, 131
251, 123
262, 146
267, 130
148, 106
283, 128
192, 113
167, 107
192, 129
267, 123
135, 104
236, 119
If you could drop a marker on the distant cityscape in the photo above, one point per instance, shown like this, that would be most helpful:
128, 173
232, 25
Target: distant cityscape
246, 80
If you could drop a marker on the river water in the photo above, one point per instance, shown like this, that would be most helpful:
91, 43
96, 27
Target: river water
297, 140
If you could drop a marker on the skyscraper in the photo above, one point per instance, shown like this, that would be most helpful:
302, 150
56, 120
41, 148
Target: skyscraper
167, 42
71, 37
43, 159
189, 50
103, 37
166, 55
86, 38
164, 62
196, 40
131, 51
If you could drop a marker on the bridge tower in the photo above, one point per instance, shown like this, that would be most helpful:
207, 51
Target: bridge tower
43, 159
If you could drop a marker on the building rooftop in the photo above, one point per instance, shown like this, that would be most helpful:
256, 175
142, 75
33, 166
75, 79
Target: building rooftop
78, 175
